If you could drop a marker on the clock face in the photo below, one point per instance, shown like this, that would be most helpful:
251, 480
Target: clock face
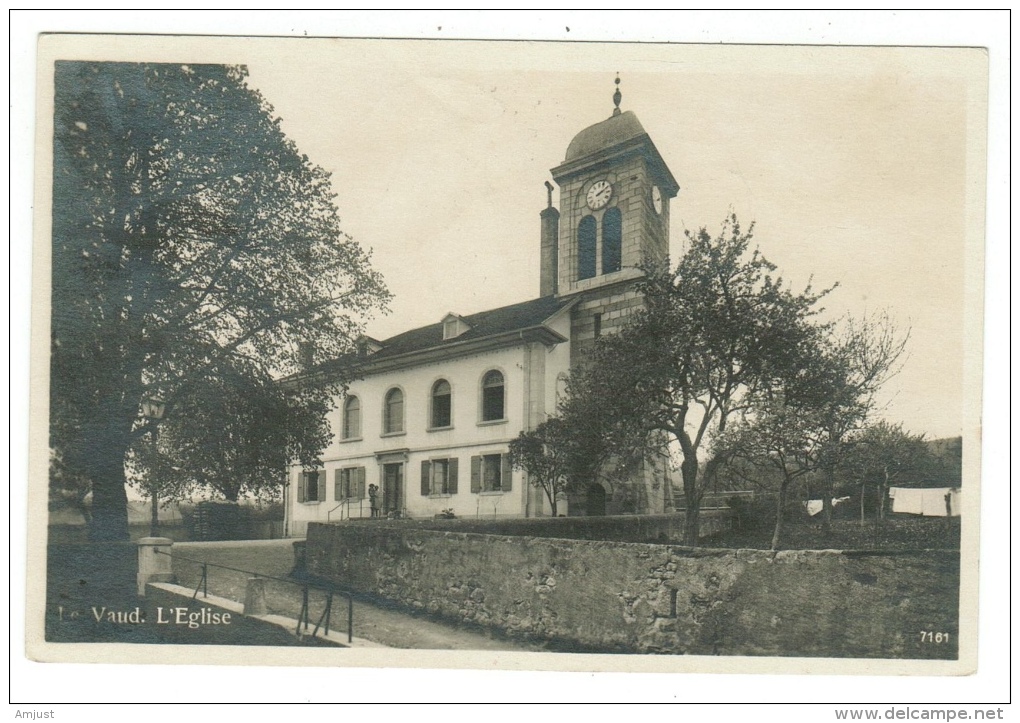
599, 195
656, 199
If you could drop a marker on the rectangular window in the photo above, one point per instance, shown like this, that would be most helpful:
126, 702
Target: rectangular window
491, 473
598, 325
349, 484
439, 477
312, 487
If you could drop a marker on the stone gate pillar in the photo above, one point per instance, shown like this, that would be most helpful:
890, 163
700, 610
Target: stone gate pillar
154, 561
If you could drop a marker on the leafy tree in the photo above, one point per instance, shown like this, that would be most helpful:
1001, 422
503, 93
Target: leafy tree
861, 357
885, 455
778, 440
69, 488
260, 427
781, 428
713, 331
569, 451
545, 454
947, 460
193, 247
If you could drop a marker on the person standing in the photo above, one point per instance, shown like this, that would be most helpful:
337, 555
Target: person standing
373, 499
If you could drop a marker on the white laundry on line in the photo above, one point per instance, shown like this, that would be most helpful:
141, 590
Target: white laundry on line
927, 501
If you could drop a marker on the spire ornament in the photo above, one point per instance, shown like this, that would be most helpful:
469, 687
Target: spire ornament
617, 96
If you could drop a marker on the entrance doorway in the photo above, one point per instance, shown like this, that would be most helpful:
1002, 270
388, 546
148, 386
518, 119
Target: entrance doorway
393, 485
595, 504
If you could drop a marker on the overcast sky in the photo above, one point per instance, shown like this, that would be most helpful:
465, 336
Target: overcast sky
851, 162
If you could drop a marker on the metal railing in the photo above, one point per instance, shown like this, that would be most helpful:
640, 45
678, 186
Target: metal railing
324, 586
343, 503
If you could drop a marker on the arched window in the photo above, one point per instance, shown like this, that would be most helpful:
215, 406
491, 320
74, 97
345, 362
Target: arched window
441, 407
393, 413
586, 231
352, 418
492, 396
612, 240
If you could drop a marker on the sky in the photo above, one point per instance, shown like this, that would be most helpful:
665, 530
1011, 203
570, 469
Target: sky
852, 163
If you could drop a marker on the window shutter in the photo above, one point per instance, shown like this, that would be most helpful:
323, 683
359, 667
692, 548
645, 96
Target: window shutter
453, 476
301, 487
506, 474
426, 473
338, 485
320, 485
476, 474
361, 483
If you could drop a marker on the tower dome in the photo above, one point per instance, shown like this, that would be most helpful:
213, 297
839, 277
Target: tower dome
617, 129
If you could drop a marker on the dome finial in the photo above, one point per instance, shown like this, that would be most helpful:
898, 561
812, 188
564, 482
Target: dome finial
617, 96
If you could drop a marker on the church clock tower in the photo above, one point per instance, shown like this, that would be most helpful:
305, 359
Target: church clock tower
615, 190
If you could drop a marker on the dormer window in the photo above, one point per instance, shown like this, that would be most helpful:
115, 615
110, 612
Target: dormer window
453, 326
367, 345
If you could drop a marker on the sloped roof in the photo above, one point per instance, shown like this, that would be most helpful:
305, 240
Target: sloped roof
524, 315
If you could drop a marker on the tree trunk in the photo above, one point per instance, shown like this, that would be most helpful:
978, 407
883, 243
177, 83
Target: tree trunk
862, 502
689, 472
780, 508
828, 491
107, 440
883, 495
83, 507
691, 523
109, 499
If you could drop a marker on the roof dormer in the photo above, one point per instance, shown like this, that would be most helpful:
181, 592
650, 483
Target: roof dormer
453, 326
366, 345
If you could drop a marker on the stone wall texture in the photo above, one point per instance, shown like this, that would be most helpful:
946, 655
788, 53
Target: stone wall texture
594, 596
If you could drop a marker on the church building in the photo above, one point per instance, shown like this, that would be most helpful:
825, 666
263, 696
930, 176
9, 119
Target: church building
426, 428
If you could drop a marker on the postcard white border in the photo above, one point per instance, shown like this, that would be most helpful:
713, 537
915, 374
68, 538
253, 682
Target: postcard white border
763, 665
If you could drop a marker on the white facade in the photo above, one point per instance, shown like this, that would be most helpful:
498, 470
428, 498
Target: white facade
392, 460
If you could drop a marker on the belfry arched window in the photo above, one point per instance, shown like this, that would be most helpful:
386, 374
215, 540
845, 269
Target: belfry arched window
586, 232
612, 241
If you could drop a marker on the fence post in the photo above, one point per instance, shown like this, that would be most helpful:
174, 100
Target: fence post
154, 562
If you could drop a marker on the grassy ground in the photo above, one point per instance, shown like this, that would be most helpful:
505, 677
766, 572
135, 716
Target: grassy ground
895, 533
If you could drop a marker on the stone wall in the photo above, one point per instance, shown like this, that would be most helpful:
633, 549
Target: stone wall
647, 598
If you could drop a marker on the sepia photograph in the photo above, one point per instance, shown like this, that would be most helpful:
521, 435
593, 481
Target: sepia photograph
521, 355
